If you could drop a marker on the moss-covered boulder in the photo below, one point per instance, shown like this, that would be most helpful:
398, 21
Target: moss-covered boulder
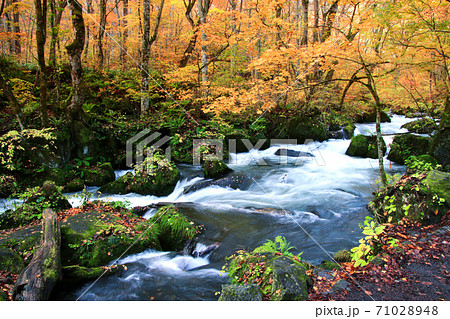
215, 169
343, 256
441, 147
156, 176
371, 116
74, 186
290, 281
10, 261
3, 296
406, 145
76, 275
349, 130
240, 293
100, 235
47, 196
364, 146
8, 185
98, 175
306, 128
421, 126
416, 197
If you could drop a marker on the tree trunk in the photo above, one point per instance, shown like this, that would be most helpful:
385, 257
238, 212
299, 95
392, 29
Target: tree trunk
203, 8
38, 279
41, 36
56, 11
16, 29
315, 37
190, 48
304, 39
123, 51
146, 47
74, 50
101, 33
328, 18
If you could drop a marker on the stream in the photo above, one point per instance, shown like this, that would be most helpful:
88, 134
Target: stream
325, 196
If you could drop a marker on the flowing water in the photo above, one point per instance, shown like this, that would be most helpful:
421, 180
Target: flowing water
325, 198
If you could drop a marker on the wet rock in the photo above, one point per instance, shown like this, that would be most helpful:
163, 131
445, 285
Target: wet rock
441, 147
421, 126
215, 169
10, 261
292, 153
240, 293
349, 130
47, 196
235, 182
337, 135
290, 281
404, 146
305, 128
343, 256
74, 186
364, 146
75, 275
371, 116
328, 265
438, 183
98, 175
341, 284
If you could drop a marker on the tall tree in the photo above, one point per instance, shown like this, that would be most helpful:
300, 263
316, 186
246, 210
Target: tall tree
123, 42
203, 9
56, 11
41, 36
16, 28
147, 42
189, 5
305, 9
74, 50
101, 33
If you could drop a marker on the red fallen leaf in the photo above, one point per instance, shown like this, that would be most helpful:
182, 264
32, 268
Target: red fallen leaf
368, 292
427, 283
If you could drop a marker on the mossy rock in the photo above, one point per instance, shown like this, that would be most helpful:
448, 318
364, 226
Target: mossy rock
343, 256
305, 128
98, 175
441, 146
8, 185
406, 145
10, 261
364, 146
421, 126
438, 183
233, 292
75, 275
47, 196
215, 169
328, 265
157, 177
416, 201
349, 130
290, 281
120, 186
74, 186
370, 117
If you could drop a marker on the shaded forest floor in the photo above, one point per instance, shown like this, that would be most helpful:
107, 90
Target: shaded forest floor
417, 269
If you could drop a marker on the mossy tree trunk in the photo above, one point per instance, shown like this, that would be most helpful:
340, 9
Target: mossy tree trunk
37, 280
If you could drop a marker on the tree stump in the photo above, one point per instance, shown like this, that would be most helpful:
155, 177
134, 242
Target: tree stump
37, 280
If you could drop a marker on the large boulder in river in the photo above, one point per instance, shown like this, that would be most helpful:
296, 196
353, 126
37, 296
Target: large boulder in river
234, 292
349, 130
364, 146
371, 116
305, 128
153, 177
421, 126
98, 175
215, 169
441, 147
47, 196
406, 145
236, 182
292, 153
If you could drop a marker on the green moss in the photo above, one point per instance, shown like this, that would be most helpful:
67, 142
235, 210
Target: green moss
343, 256
304, 128
328, 265
349, 130
10, 261
421, 126
3, 296
74, 186
215, 169
8, 186
98, 175
438, 183
364, 146
404, 146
